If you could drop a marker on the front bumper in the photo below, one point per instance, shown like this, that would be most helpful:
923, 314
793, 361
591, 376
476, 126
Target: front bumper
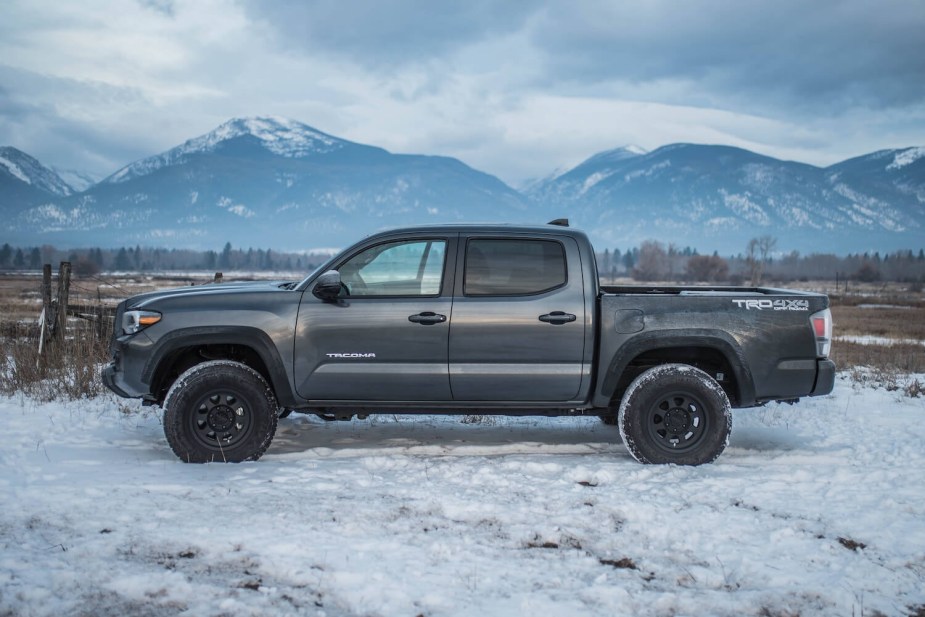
123, 374
111, 378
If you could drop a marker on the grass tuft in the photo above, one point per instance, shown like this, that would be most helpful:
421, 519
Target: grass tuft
68, 369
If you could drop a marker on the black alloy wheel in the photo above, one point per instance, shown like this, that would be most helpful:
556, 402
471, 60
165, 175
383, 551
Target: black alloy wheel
675, 413
220, 411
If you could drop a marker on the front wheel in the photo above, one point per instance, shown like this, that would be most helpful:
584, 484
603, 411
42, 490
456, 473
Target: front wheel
675, 413
220, 411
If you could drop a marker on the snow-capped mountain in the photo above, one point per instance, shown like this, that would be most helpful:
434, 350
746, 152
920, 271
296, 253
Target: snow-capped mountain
286, 138
268, 182
280, 184
717, 197
24, 180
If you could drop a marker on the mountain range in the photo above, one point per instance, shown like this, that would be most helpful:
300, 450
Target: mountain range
280, 184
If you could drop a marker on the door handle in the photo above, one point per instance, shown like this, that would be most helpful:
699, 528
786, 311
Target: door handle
427, 318
557, 318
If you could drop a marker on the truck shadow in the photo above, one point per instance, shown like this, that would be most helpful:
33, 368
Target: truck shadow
444, 436
427, 435
771, 439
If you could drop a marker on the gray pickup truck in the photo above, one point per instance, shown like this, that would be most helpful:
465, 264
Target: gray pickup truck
488, 319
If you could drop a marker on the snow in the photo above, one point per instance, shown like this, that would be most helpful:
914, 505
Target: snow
27, 169
78, 180
906, 157
868, 211
646, 173
280, 136
593, 179
743, 206
14, 169
813, 509
241, 210
616, 154
901, 307
868, 339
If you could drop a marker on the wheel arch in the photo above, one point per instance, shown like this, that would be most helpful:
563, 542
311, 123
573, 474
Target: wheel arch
711, 351
182, 349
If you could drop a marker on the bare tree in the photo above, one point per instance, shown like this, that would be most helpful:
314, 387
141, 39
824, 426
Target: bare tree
710, 268
653, 262
757, 255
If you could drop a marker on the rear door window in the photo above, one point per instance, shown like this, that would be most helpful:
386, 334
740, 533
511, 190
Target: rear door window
512, 267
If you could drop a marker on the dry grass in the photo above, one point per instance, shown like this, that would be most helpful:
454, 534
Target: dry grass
895, 316
896, 323
66, 369
69, 369
898, 317
899, 358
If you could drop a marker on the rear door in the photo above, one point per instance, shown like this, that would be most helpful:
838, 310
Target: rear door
517, 331
385, 340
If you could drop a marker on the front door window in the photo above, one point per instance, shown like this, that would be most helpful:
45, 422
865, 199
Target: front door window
396, 269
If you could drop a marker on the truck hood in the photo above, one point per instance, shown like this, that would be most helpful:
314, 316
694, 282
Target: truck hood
211, 290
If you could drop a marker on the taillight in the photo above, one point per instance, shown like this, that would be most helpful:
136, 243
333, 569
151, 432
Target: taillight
822, 328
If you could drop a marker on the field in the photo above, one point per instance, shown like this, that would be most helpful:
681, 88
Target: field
814, 509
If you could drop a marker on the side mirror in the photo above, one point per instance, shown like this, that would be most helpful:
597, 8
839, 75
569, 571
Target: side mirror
328, 286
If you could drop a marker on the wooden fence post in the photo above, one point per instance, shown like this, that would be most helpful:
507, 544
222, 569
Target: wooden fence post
47, 311
64, 292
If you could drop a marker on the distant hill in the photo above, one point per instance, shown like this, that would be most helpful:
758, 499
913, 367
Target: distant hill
24, 182
717, 197
280, 184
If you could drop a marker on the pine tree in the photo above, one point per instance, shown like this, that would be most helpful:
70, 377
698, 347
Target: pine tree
123, 262
224, 261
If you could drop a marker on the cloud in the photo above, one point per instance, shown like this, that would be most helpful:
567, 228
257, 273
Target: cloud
388, 34
822, 56
513, 88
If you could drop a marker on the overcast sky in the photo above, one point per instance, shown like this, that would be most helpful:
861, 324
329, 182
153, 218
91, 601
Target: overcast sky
513, 88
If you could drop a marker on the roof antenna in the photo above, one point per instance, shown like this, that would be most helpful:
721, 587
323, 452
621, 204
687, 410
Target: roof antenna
559, 222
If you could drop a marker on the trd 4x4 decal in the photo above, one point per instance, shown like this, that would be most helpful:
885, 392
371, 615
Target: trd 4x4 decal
773, 305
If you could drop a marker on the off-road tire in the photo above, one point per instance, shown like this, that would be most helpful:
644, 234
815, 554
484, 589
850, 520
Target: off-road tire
675, 413
220, 411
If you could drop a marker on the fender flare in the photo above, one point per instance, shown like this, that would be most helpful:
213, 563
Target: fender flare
242, 336
667, 339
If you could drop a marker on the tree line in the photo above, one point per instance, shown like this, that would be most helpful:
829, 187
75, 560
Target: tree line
757, 264
650, 261
141, 259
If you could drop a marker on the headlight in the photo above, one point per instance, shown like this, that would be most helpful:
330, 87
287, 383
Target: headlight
135, 321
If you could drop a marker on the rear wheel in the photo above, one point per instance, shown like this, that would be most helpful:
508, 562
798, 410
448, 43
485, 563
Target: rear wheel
220, 411
675, 413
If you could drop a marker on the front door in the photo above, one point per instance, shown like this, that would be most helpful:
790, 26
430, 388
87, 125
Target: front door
518, 331
386, 338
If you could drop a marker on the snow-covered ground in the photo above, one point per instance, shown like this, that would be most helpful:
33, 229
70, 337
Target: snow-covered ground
884, 341
814, 509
